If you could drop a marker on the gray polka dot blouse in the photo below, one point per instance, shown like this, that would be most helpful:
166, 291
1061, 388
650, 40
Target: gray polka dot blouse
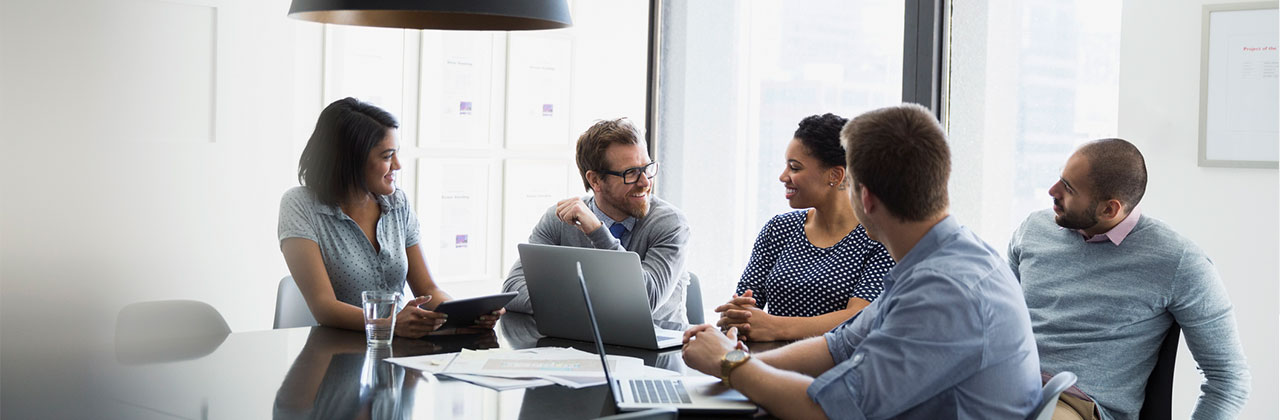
352, 264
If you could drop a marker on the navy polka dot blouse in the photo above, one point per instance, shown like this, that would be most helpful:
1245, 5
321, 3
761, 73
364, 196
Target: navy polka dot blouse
789, 276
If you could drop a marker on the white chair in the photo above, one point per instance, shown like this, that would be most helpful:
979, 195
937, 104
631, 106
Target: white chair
168, 330
1049, 395
291, 307
693, 301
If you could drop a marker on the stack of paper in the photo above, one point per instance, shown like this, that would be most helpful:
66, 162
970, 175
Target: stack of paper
509, 369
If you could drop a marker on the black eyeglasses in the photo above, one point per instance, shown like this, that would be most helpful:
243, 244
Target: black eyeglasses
632, 175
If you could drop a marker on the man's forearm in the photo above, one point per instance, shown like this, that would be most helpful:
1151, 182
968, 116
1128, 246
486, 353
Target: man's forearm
809, 357
781, 392
515, 283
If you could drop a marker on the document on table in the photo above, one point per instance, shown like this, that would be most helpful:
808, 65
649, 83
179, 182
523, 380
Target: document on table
429, 363
508, 369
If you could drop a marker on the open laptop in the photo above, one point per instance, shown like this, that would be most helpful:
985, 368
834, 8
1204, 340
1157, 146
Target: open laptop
685, 393
617, 285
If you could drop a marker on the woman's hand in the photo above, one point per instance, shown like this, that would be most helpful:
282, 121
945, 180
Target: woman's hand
737, 313
488, 321
415, 322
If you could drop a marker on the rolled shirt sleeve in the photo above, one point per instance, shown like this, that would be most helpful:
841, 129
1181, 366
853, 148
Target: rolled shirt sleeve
923, 340
296, 216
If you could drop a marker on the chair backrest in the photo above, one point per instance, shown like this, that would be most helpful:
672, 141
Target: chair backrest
168, 330
1049, 395
1158, 403
291, 307
693, 301
665, 413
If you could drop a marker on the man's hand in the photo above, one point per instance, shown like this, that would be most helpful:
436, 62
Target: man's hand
575, 212
704, 347
415, 322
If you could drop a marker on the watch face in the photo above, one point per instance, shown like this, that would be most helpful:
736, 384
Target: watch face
735, 356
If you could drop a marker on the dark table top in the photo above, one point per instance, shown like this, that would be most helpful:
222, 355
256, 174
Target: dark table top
322, 372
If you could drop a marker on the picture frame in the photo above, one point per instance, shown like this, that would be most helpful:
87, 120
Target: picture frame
1239, 95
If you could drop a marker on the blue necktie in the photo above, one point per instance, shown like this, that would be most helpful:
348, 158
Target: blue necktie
617, 230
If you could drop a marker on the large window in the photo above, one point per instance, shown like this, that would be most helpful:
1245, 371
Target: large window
735, 80
1028, 82
489, 120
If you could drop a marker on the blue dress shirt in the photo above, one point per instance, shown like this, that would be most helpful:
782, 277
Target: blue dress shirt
949, 338
629, 222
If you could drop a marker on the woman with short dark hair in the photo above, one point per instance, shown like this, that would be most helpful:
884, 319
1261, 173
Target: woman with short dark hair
349, 229
810, 269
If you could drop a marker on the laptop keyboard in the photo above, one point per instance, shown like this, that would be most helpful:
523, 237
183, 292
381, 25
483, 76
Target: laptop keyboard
659, 391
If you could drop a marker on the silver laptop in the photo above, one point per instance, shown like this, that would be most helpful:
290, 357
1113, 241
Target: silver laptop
617, 284
685, 393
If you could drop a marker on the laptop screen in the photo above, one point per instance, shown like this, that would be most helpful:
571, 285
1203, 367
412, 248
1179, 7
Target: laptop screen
595, 331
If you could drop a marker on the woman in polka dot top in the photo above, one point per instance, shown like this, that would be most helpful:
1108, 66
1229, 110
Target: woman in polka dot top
811, 269
349, 229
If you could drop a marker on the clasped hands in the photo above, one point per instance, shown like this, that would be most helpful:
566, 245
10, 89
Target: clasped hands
415, 322
752, 323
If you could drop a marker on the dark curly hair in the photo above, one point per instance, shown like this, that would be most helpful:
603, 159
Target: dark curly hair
820, 134
332, 164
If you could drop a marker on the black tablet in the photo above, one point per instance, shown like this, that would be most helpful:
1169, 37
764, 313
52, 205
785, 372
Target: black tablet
463, 312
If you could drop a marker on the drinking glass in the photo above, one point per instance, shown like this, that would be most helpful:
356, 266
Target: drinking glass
379, 316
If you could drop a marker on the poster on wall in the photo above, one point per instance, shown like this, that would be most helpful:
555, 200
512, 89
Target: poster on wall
532, 187
538, 89
457, 74
455, 216
1239, 93
365, 63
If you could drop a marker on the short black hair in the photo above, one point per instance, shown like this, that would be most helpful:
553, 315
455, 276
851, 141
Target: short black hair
1116, 171
821, 135
332, 164
900, 154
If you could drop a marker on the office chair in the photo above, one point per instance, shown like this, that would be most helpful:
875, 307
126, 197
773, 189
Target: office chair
1158, 403
1049, 395
667, 413
693, 301
291, 307
168, 330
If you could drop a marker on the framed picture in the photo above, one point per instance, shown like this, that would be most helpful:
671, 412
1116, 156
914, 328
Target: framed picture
458, 216
365, 63
1239, 93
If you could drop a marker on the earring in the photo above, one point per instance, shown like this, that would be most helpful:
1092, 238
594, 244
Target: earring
831, 184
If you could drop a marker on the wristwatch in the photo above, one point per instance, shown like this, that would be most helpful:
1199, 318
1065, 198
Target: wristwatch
731, 361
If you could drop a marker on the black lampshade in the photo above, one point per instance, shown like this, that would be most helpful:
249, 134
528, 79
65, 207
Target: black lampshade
480, 15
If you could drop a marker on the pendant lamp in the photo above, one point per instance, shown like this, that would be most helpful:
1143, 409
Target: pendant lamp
478, 15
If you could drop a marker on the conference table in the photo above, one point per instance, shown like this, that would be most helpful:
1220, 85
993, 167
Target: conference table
321, 372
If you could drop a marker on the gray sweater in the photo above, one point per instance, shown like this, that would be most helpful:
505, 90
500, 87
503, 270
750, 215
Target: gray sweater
659, 237
1100, 310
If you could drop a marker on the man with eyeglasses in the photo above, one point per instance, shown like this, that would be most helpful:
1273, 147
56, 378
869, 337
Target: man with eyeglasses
621, 214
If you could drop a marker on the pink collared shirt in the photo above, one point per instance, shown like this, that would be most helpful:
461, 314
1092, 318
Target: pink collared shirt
1120, 231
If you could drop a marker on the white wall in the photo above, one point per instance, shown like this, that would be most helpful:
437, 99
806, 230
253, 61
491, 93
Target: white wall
1230, 213
145, 147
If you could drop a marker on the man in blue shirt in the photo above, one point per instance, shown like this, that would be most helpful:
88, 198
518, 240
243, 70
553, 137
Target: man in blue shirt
948, 338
